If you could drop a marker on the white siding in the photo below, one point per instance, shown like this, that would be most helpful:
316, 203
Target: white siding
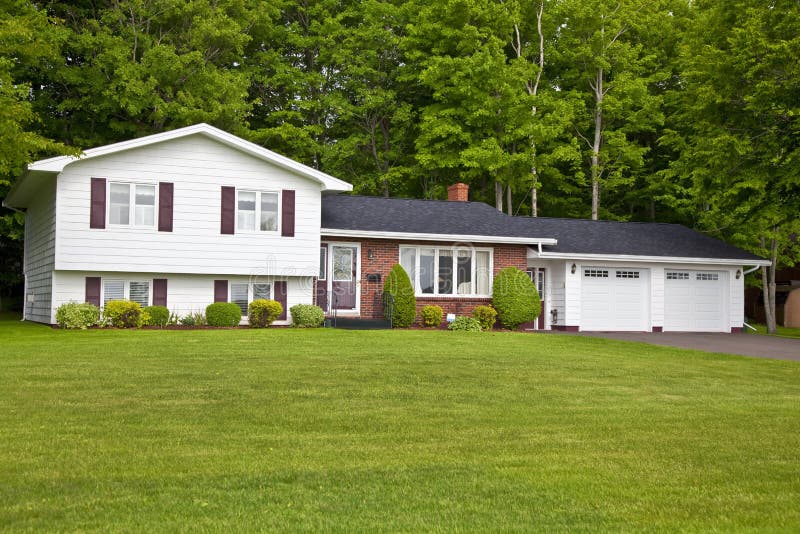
198, 167
40, 222
186, 293
736, 309
572, 295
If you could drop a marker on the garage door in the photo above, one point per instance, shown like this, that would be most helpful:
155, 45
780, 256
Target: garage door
615, 299
695, 301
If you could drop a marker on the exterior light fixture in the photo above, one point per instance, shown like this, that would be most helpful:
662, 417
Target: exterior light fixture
370, 254
574, 268
738, 273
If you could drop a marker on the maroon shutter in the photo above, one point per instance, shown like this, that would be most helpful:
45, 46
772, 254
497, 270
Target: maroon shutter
165, 191
159, 292
220, 291
280, 296
287, 215
97, 216
228, 210
93, 290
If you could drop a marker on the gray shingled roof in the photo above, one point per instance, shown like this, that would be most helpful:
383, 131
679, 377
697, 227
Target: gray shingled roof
575, 236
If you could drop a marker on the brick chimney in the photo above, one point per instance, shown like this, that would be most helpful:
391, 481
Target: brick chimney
458, 192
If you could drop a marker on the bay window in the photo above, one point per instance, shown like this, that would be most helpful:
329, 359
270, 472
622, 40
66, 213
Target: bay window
448, 270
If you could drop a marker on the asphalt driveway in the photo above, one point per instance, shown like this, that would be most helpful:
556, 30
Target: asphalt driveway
758, 346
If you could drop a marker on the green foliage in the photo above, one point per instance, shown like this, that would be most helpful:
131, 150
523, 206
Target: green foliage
193, 319
123, 314
486, 316
307, 316
77, 315
158, 315
431, 315
398, 284
515, 298
463, 323
223, 314
262, 312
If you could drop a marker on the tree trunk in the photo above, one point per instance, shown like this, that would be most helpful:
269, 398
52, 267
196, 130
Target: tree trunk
768, 284
509, 204
534, 202
498, 196
596, 144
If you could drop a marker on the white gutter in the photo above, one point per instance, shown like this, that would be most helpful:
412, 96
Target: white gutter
754, 269
332, 232
644, 259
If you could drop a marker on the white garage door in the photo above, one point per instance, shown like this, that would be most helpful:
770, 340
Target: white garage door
695, 301
615, 299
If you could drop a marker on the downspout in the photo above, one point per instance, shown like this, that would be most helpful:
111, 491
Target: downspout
24, 276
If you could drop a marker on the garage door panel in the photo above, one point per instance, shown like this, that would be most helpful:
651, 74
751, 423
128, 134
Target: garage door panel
615, 299
695, 301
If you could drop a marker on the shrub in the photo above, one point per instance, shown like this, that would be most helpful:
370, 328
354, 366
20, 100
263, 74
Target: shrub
77, 315
515, 298
223, 314
485, 315
123, 314
431, 315
398, 284
465, 324
262, 312
194, 319
307, 316
158, 315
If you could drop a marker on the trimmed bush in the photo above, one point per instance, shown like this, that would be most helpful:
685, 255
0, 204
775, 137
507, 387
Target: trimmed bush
158, 315
515, 298
398, 284
223, 314
463, 323
486, 316
123, 314
77, 315
431, 315
307, 316
262, 312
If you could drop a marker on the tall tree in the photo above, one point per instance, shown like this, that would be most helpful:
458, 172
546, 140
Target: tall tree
740, 128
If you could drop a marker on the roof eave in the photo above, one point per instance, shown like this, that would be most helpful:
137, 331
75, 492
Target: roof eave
461, 238
534, 254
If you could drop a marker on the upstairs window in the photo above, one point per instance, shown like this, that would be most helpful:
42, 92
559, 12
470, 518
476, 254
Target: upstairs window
257, 211
132, 204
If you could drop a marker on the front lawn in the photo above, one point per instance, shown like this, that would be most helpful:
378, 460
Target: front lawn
285, 429
782, 331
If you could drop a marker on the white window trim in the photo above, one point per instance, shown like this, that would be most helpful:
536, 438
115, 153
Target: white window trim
455, 250
126, 288
249, 285
257, 229
329, 282
324, 261
132, 205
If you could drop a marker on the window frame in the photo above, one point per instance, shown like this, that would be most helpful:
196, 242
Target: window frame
132, 204
257, 226
126, 289
454, 251
250, 292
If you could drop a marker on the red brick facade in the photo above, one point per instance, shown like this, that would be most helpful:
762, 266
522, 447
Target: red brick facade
379, 255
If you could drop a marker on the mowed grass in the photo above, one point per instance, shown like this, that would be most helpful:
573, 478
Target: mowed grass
284, 429
782, 331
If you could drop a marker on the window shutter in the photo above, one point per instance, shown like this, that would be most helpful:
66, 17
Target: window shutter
228, 210
93, 290
165, 193
280, 296
287, 213
220, 291
159, 292
97, 217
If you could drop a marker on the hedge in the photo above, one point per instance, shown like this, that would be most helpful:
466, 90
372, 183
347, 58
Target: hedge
223, 314
515, 298
398, 284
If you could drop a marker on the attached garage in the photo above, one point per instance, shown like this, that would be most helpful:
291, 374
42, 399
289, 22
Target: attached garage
695, 301
614, 299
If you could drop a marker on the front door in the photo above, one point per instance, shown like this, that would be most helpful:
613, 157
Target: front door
344, 260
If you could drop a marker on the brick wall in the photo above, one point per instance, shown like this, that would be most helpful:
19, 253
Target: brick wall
385, 253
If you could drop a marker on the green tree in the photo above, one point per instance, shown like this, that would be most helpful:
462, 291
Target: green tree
404, 306
739, 137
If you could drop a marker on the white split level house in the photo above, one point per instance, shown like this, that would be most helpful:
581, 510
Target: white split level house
196, 215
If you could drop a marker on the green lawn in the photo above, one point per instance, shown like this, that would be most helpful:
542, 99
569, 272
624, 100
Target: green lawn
286, 429
782, 331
